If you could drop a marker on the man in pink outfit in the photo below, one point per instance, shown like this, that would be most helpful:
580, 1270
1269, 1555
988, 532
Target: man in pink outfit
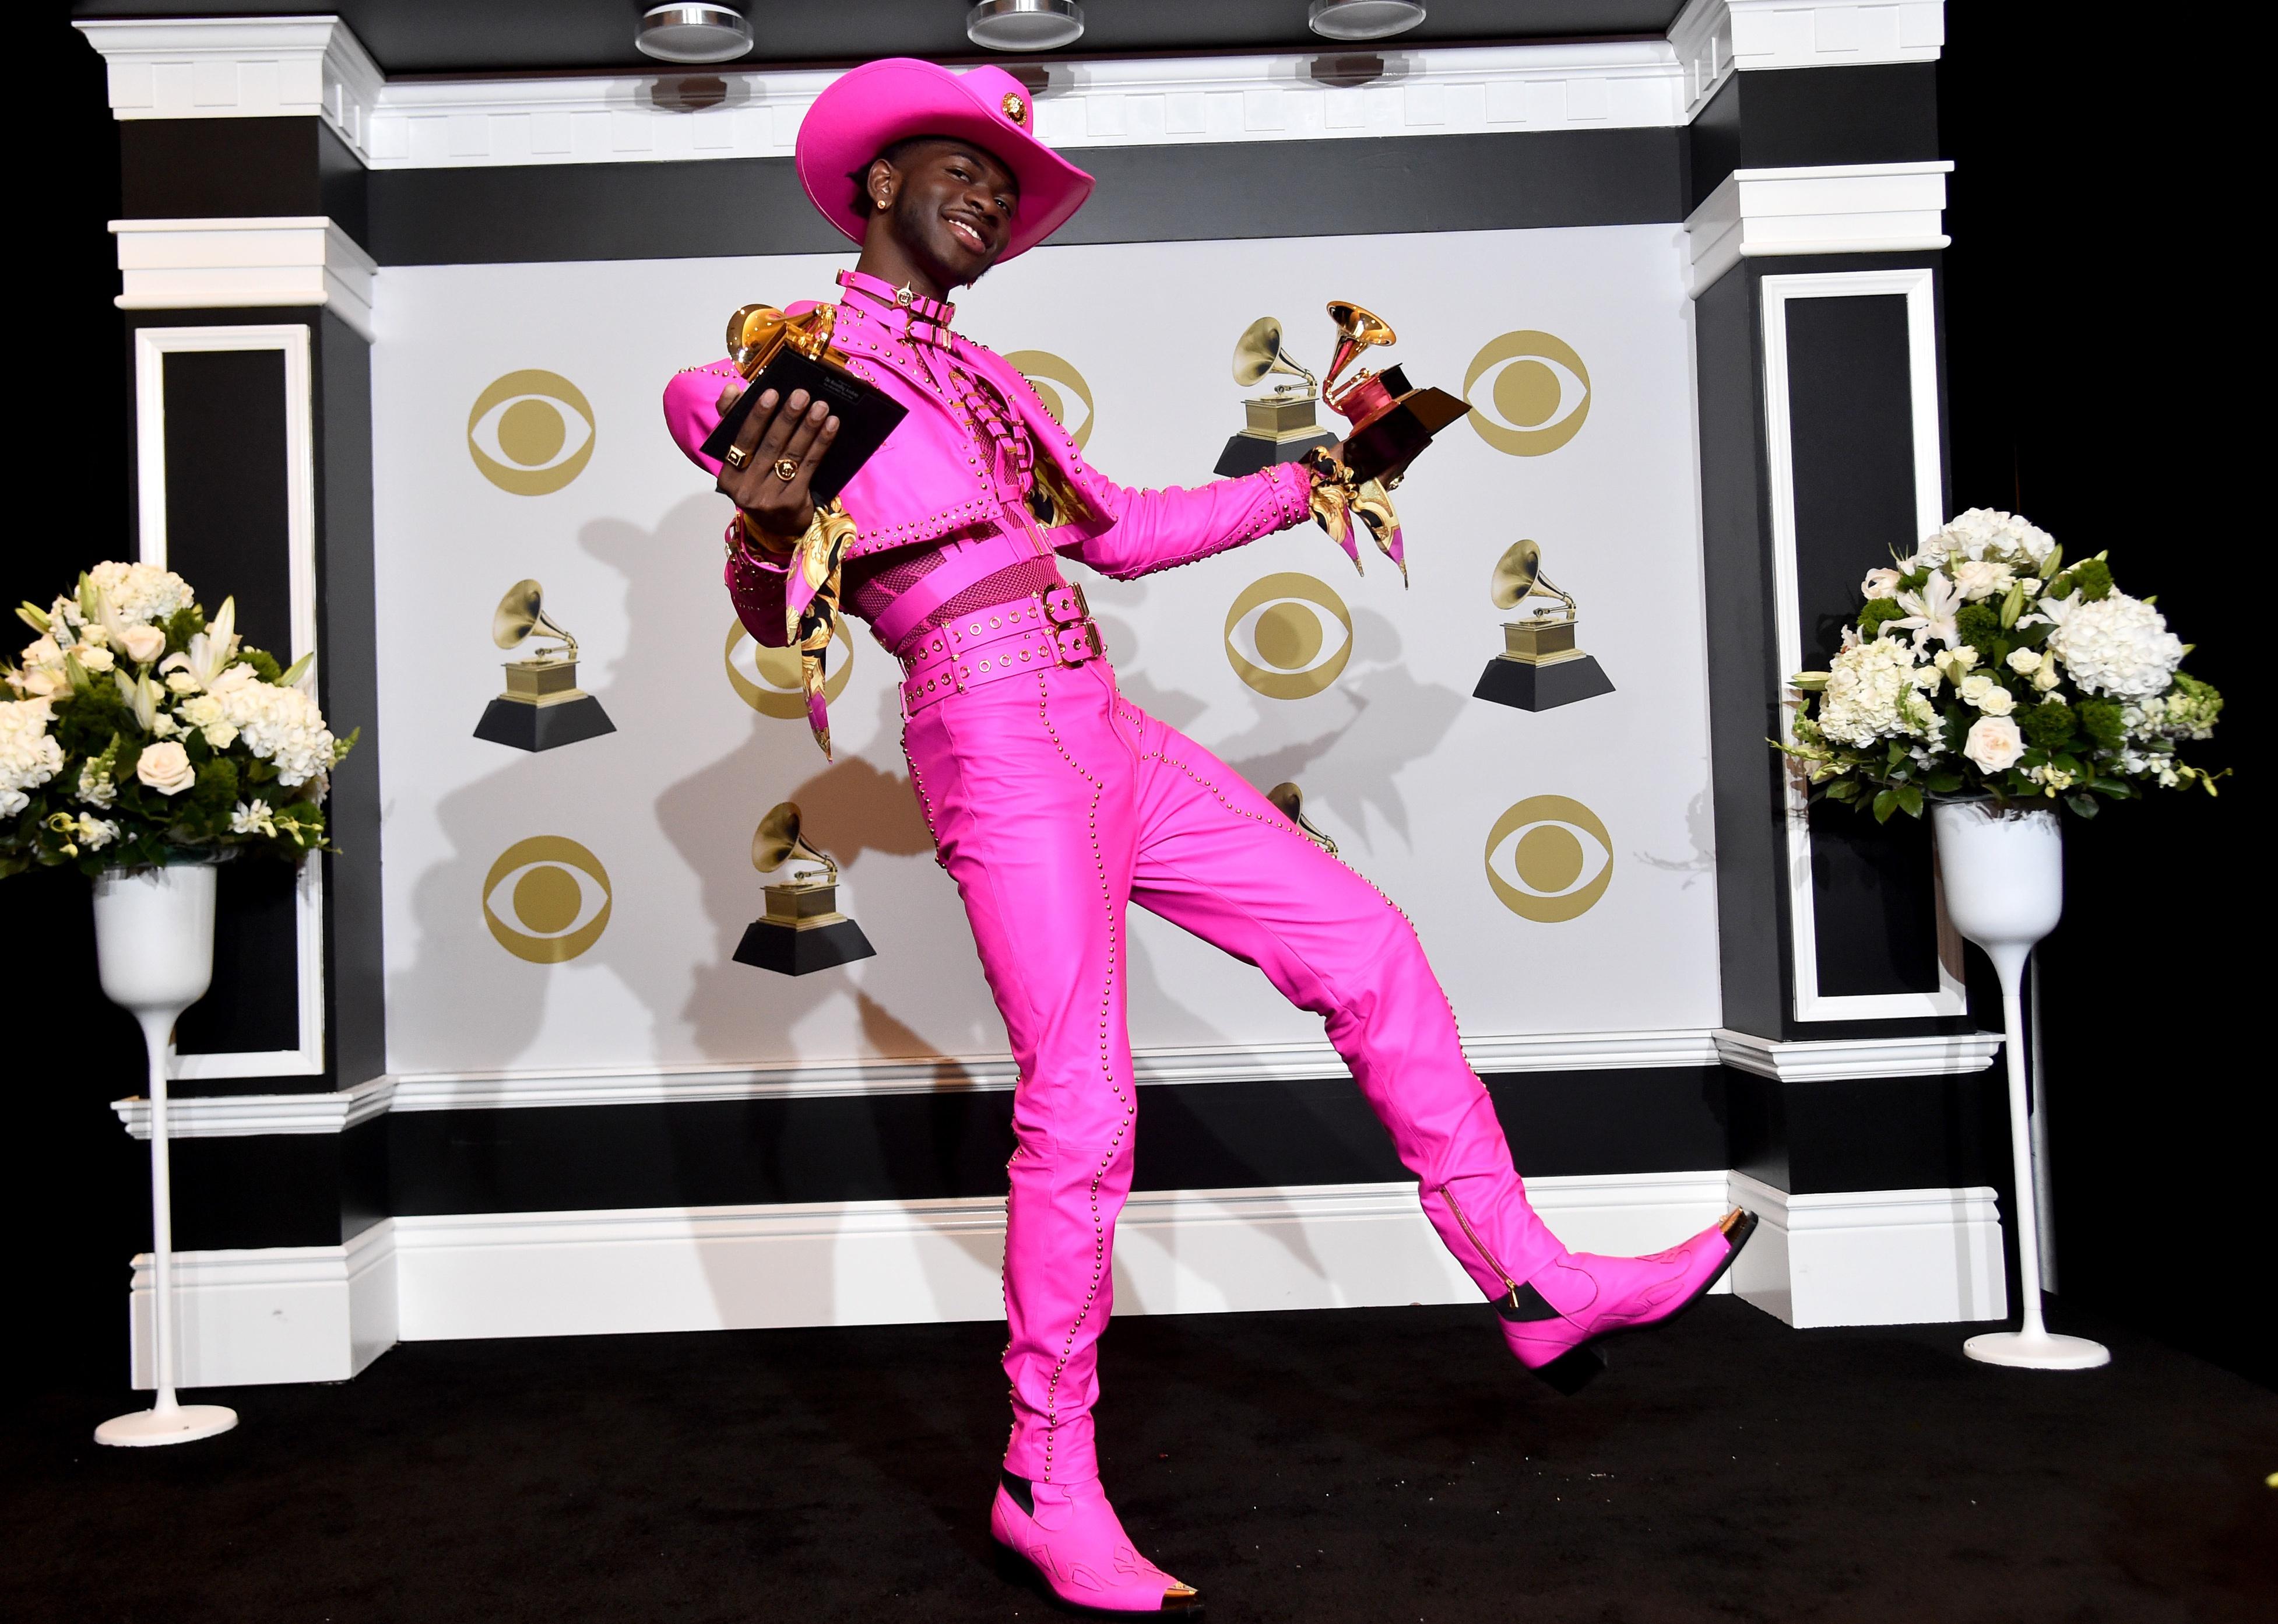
1054, 801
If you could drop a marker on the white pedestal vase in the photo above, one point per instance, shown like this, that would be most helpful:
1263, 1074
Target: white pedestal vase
154, 944
2003, 876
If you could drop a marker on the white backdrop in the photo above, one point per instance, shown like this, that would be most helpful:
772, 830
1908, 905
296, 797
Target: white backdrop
1400, 765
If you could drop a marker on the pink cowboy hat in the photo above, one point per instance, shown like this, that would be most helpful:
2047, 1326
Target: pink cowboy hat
867, 109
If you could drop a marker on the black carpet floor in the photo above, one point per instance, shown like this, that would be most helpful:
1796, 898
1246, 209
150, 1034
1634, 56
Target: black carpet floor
1377, 1467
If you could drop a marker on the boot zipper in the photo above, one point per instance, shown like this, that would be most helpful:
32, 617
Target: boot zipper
1447, 1194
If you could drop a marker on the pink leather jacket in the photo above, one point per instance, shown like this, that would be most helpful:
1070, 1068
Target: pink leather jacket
938, 475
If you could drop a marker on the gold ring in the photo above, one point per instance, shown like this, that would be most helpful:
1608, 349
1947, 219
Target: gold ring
737, 456
786, 469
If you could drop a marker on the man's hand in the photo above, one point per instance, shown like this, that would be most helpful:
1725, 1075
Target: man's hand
777, 439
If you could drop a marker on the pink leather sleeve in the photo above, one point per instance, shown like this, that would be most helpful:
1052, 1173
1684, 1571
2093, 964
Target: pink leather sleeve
692, 410
1161, 530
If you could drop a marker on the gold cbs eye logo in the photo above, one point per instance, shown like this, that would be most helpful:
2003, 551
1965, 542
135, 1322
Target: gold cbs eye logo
768, 680
546, 900
1048, 375
1538, 388
1550, 859
1288, 636
531, 433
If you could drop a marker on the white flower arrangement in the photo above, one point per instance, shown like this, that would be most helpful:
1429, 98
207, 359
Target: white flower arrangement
138, 732
1981, 666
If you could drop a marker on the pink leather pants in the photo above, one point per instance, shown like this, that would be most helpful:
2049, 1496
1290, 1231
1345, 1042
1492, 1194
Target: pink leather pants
1054, 803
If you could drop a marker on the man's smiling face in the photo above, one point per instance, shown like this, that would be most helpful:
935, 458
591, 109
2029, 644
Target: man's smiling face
952, 208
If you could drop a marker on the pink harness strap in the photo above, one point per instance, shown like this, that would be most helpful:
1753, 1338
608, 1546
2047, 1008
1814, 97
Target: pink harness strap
968, 565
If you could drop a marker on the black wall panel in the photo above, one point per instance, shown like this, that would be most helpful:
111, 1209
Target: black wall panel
224, 168
1783, 118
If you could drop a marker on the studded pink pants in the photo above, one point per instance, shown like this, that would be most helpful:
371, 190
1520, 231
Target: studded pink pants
1054, 802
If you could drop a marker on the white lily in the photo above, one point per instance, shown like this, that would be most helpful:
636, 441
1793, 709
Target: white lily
210, 651
1930, 613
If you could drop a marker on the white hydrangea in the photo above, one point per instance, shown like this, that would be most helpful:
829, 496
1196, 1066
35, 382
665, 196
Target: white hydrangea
1875, 691
1986, 533
29, 755
2117, 645
141, 592
277, 724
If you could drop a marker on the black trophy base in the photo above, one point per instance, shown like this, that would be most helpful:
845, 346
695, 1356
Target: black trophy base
1246, 454
525, 726
771, 945
1541, 688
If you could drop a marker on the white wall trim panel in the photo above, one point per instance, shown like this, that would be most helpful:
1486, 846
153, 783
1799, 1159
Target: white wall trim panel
152, 346
1231, 1062
230, 1116
1817, 1060
1877, 1256
886, 1262
1914, 285
283, 1313
1820, 209
1807, 34
228, 264
237, 67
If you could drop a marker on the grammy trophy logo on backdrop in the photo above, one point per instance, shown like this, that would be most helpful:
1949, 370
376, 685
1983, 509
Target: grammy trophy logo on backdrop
1048, 375
768, 680
531, 433
543, 708
546, 900
1541, 666
802, 931
1550, 859
1288, 636
1538, 389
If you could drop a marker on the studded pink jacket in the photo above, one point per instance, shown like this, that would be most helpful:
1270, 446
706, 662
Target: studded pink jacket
954, 467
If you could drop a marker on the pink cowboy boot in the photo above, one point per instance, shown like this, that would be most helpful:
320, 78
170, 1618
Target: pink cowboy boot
1071, 1535
1554, 1322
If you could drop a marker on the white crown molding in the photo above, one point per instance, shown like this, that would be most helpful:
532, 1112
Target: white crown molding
1875, 1257
1807, 33
1232, 1063
1823, 1060
1822, 209
1702, 40
238, 67
228, 264
228, 1116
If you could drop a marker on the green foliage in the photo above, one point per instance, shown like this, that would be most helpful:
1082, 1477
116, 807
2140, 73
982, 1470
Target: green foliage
1980, 627
1878, 611
2104, 721
2091, 578
2046, 727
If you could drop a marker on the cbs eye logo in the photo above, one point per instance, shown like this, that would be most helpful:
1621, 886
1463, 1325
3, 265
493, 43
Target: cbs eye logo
1288, 636
1550, 859
531, 433
1539, 390
768, 680
1047, 374
546, 900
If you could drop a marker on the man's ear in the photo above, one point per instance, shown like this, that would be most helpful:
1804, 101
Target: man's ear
879, 170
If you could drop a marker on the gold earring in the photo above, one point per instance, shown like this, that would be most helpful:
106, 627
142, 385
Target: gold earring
884, 202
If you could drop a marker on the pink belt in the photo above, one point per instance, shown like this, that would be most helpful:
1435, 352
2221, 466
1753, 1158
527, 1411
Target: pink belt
1006, 640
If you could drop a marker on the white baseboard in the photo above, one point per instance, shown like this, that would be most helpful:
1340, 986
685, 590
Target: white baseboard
322, 1313
280, 1313
1877, 1257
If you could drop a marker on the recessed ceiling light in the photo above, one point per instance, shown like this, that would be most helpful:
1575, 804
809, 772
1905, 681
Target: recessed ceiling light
1363, 19
693, 33
1024, 25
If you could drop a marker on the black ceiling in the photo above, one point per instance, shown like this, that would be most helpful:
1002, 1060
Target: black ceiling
461, 36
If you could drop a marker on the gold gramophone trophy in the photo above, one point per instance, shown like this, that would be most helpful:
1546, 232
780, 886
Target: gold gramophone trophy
543, 708
1540, 667
1392, 420
1289, 801
1280, 428
802, 931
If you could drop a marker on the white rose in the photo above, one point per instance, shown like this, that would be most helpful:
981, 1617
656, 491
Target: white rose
165, 725
221, 735
1987, 694
166, 768
204, 711
2024, 661
1881, 584
1979, 578
180, 682
1994, 743
2046, 678
96, 660
144, 644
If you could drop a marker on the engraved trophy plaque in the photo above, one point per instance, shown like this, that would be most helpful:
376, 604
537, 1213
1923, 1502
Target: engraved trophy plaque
802, 931
543, 708
1541, 666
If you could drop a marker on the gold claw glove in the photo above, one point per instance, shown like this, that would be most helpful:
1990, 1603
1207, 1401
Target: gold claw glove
1338, 500
811, 586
